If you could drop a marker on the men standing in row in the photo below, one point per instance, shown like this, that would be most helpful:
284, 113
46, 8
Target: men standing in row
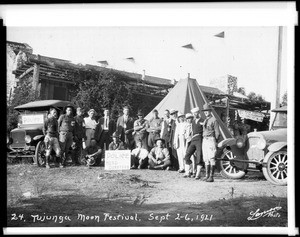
125, 128
154, 129
173, 152
106, 128
140, 130
90, 126
80, 135
50, 131
211, 135
195, 144
67, 132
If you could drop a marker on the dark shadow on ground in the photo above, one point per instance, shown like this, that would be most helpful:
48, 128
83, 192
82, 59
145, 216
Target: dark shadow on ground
81, 210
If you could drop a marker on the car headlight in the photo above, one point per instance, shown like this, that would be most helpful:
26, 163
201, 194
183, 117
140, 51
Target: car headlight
28, 139
239, 142
261, 144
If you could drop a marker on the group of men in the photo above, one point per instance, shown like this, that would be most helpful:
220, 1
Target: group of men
154, 144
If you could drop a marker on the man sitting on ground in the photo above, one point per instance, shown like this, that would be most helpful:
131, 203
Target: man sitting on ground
116, 144
139, 156
159, 156
93, 153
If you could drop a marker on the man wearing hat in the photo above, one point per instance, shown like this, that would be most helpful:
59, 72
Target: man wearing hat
90, 126
211, 134
159, 157
80, 126
179, 141
140, 130
106, 128
154, 129
172, 150
116, 144
125, 128
67, 132
195, 145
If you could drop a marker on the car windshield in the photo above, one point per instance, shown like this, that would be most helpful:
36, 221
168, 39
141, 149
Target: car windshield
280, 120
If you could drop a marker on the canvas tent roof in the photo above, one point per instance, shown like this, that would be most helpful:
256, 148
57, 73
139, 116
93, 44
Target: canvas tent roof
186, 95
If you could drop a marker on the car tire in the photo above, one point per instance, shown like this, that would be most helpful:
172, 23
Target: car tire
227, 168
40, 156
275, 168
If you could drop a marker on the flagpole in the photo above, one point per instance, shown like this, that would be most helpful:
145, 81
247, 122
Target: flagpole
276, 101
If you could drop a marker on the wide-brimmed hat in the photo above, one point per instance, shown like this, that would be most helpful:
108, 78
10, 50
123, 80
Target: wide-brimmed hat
69, 106
140, 113
92, 110
115, 134
160, 139
195, 110
206, 107
189, 115
173, 111
180, 114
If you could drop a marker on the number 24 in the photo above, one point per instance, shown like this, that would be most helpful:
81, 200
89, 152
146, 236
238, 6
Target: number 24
14, 216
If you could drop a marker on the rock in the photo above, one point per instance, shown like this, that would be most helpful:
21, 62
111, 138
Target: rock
21, 174
27, 194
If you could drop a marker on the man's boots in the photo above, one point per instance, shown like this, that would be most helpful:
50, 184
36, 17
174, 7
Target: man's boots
187, 171
207, 169
62, 161
198, 173
211, 174
47, 162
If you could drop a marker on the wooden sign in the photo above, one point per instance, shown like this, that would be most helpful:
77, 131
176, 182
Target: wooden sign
255, 116
117, 160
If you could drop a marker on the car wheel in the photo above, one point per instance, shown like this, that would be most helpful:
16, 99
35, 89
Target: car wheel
275, 169
227, 167
40, 153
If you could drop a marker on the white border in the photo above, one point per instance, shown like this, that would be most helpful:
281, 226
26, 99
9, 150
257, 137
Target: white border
170, 14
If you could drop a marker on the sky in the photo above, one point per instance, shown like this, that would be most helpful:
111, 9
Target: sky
249, 53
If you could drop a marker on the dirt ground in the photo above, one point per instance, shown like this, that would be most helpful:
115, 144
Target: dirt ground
78, 196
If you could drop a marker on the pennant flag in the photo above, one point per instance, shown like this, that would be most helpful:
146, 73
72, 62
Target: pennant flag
130, 59
103, 62
188, 46
221, 35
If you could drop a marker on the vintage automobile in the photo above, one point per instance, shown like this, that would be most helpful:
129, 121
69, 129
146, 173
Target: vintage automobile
264, 151
27, 140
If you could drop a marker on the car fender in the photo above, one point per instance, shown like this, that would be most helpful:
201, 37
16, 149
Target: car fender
227, 142
277, 146
38, 137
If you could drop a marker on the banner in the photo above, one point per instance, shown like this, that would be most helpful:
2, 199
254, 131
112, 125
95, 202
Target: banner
117, 160
255, 116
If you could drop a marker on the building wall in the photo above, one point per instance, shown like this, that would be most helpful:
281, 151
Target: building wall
10, 77
226, 83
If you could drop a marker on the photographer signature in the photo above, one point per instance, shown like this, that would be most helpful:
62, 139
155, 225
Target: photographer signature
272, 212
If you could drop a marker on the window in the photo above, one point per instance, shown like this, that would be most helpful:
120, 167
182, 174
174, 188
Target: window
59, 93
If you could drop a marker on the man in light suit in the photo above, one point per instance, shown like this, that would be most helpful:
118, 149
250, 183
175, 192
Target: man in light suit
125, 128
107, 127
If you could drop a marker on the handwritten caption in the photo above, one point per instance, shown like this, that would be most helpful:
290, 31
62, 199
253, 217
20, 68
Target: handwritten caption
272, 212
107, 217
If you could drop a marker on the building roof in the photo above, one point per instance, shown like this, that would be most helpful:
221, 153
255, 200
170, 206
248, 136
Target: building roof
211, 90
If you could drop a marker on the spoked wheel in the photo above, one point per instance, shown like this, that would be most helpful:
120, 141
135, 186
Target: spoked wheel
275, 170
228, 169
40, 154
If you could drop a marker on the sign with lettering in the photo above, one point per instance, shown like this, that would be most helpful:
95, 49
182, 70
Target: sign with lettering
255, 116
33, 119
117, 160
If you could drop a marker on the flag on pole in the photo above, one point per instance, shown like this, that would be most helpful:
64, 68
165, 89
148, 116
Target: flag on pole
131, 59
104, 63
220, 35
188, 46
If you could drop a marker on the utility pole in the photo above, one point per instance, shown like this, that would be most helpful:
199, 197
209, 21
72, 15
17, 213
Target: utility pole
276, 102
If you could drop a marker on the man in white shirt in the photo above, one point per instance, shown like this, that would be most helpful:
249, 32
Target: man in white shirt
139, 156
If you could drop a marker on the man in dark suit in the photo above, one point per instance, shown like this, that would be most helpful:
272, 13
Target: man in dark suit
125, 128
107, 127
